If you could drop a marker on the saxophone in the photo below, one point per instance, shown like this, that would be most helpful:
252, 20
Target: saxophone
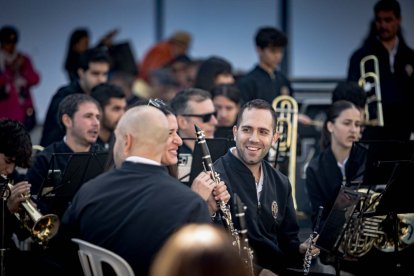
223, 208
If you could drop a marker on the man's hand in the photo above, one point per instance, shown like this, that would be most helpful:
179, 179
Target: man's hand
314, 250
203, 185
17, 195
220, 192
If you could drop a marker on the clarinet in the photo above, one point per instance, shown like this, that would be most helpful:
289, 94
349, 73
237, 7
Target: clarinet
246, 253
208, 167
308, 255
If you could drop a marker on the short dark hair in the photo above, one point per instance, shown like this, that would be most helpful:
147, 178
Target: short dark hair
103, 92
258, 104
388, 5
230, 91
209, 70
179, 104
349, 91
270, 37
15, 142
70, 105
9, 34
93, 55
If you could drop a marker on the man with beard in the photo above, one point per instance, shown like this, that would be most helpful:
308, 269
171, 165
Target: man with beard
271, 223
113, 104
79, 116
396, 66
94, 68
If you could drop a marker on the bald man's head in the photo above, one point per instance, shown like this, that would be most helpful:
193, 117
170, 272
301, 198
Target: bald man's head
142, 131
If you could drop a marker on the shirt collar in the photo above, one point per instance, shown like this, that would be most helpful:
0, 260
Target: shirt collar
143, 160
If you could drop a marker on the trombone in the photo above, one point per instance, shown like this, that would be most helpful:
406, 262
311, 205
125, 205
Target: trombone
286, 109
370, 80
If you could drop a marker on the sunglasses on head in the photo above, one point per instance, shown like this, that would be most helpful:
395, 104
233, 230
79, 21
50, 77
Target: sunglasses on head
157, 103
204, 117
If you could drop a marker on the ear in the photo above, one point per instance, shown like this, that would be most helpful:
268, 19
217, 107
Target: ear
329, 126
182, 122
275, 137
67, 121
81, 72
128, 141
234, 132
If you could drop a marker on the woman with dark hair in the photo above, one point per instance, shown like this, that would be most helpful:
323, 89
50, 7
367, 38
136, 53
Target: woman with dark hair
78, 43
213, 71
328, 171
226, 99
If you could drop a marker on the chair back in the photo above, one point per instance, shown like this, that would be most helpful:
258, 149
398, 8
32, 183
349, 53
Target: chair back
91, 257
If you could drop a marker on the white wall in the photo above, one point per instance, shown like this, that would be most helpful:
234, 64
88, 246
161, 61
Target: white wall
323, 33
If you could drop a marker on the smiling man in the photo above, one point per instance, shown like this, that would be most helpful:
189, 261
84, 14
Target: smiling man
79, 116
192, 106
272, 228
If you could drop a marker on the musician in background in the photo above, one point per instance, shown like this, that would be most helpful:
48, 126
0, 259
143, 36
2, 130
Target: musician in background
333, 168
396, 71
192, 106
16, 150
133, 209
113, 103
270, 216
329, 170
226, 99
93, 70
79, 117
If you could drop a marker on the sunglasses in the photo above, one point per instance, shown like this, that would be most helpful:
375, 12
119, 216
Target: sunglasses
204, 117
157, 103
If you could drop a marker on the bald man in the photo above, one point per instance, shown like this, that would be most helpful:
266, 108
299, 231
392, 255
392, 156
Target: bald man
133, 209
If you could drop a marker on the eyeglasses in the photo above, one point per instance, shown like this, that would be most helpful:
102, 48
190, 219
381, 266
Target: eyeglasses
157, 103
204, 117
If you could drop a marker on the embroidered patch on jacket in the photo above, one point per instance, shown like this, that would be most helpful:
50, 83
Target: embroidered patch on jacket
275, 209
409, 70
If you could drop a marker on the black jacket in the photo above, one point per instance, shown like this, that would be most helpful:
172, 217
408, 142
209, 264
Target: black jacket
272, 236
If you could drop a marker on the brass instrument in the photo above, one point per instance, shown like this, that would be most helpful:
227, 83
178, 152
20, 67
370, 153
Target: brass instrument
369, 81
286, 108
363, 233
41, 227
223, 208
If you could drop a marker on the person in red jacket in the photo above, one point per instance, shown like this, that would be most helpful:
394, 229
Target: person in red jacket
163, 52
17, 76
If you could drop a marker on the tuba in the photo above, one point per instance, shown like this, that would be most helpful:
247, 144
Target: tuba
41, 227
286, 109
370, 81
364, 233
